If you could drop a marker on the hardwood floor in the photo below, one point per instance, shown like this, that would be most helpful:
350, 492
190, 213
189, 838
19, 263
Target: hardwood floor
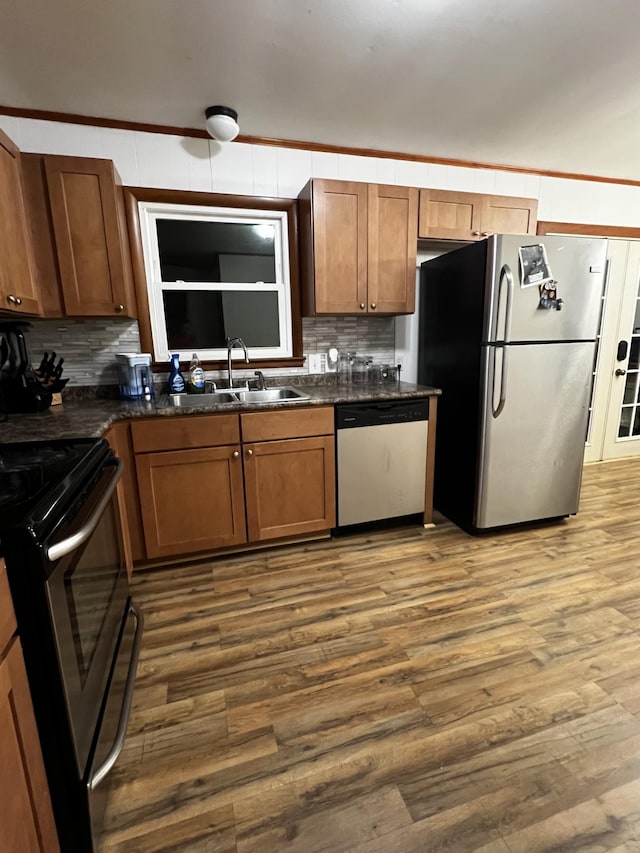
412, 690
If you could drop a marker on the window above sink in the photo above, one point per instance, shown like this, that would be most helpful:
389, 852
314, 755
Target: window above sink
214, 274
214, 267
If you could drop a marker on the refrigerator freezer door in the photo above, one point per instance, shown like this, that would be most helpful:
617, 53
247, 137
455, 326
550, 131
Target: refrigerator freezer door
532, 450
576, 264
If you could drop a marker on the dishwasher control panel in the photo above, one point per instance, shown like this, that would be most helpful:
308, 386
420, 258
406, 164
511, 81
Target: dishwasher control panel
352, 415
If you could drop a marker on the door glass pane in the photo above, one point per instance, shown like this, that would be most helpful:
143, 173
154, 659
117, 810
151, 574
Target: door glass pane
204, 319
629, 423
233, 252
630, 388
625, 422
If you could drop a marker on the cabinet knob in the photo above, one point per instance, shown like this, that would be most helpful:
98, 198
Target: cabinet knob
119, 307
362, 306
249, 452
373, 305
235, 454
485, 233
14, 300
476, 233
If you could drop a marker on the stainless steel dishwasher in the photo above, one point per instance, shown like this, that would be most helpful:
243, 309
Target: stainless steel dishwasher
381, 450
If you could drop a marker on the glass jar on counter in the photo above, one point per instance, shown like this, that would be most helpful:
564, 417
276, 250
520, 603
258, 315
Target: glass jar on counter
345, 367
361, 369
375, 373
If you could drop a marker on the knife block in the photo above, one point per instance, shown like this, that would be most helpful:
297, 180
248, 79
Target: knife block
22, 397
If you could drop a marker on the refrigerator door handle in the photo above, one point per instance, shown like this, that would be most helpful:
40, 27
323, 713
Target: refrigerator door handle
496, 410
506, 275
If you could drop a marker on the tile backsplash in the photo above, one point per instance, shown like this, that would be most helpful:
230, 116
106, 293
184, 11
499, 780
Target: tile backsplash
89, 346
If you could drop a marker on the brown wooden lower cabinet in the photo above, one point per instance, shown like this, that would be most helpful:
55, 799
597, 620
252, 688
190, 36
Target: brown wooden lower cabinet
191, 500
26, 818
119, 438
289, 487
276, 478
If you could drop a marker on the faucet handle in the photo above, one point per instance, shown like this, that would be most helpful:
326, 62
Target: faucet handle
261, 380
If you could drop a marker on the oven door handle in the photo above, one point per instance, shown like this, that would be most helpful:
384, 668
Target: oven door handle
70, 543
125, 711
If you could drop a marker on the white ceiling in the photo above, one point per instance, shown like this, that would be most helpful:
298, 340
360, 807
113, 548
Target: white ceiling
544, 84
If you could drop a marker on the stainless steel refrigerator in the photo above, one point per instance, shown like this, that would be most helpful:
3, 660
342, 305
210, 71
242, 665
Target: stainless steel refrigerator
508, 332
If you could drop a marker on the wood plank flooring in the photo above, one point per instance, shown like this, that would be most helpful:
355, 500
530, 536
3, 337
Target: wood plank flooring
411, 690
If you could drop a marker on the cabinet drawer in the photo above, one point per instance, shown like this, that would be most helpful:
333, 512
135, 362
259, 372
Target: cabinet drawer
7, 616
181, 432
288, 423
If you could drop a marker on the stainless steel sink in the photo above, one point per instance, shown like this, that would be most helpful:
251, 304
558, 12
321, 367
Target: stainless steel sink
240, 395
270, 395
201, 399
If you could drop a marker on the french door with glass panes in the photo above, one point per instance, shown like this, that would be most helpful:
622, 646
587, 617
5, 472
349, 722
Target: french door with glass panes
615, 417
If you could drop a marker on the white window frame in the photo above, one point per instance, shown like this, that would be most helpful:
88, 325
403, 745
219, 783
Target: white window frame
150, 212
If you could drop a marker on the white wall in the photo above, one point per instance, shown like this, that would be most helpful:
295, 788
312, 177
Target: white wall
158, 160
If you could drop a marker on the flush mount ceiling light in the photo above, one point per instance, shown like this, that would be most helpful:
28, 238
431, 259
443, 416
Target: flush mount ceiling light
222, 123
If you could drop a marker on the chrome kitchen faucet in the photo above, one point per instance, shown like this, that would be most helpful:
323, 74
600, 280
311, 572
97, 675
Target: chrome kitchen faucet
231, 342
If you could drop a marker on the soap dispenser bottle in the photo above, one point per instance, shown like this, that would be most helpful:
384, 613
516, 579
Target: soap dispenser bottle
176, 379
196, 376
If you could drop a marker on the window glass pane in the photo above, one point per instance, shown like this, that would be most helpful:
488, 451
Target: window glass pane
204, 319
634, 357
636, 319
233, 252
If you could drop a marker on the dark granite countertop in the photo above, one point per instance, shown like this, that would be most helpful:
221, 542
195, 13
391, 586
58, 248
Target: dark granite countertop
91, 418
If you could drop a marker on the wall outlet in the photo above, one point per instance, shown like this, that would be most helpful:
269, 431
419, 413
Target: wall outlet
315, 362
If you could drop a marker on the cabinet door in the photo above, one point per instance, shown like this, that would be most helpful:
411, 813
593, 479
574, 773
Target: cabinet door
17, 283
340, 246
28, 823
89, 237
127, 494
289, 487
191, 500
392, 248
446, 215
503, 214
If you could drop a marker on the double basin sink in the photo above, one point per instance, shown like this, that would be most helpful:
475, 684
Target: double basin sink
239, 395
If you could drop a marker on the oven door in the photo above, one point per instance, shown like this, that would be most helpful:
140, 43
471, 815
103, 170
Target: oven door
87, 594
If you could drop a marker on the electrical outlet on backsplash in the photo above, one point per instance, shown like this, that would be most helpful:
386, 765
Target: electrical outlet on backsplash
89, 346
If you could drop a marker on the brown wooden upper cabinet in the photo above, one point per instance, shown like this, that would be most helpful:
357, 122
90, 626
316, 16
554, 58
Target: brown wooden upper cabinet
359, 247
446, 215
79, 233
18, 289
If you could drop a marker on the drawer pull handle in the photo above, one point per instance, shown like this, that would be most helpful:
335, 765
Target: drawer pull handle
14, 300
